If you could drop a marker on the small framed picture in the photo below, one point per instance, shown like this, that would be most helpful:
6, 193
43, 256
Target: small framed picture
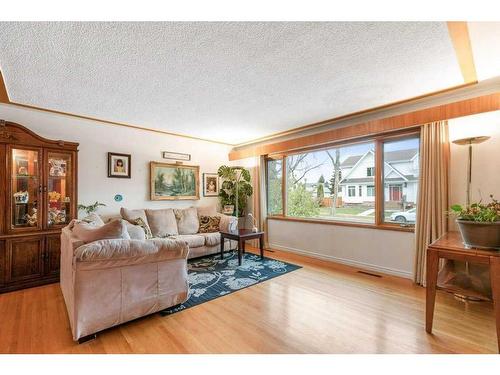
228, 209
119, 165
175, 156
210, 184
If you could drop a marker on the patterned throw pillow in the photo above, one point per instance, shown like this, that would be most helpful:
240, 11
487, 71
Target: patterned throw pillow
144, 226
209, 224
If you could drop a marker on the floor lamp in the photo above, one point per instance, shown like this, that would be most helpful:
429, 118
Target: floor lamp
469, 142
238, 171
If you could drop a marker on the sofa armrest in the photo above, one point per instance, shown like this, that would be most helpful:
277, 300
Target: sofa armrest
227, 223
119, 252
70, 242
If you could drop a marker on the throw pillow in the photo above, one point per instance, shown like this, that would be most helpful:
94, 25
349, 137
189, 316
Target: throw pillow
162, 222
132, 215
187, 221
93, 219
135, 231
209, 224
115, 229
144, 226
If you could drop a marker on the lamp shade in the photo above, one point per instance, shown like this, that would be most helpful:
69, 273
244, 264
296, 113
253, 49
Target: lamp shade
471, 140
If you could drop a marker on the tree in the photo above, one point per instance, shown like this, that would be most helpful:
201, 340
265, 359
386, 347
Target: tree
335, 180
298, 167
301, 202
274, 182
320, 190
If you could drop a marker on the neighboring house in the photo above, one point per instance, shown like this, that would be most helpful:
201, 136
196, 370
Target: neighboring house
357, 182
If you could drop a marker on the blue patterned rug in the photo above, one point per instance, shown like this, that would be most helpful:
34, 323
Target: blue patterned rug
210, 277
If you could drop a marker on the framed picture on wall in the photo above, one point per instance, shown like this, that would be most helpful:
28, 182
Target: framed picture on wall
210, 184
119, 165
174, 181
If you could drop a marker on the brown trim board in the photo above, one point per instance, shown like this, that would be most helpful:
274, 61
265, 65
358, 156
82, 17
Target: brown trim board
485, 103
459, 34
4, 95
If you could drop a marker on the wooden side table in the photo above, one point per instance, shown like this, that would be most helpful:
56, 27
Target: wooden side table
450, 246
242, 235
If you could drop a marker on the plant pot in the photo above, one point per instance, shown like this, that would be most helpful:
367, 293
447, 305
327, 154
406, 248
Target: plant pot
480, 235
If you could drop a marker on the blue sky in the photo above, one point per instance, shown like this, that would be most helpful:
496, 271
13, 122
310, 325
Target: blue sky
326, 169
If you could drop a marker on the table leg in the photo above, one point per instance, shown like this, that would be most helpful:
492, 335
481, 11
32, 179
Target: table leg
222, 248
495, 288
261, 246
240, 250
430, 297
243, 247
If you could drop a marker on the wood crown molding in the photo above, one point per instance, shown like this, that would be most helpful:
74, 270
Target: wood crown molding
485, 103
108, 122
459, 34
4, 95
351, 115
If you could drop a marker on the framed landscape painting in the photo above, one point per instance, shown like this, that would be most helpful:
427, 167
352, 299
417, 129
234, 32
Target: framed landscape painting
174, 181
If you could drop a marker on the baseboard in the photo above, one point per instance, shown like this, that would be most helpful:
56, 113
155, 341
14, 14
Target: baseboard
347, 262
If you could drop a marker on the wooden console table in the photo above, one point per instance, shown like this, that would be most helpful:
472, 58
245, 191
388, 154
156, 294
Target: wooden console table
450, 246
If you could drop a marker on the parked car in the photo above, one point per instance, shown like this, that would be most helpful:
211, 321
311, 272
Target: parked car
404, 216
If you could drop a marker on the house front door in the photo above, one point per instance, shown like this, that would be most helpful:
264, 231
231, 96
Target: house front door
395, 193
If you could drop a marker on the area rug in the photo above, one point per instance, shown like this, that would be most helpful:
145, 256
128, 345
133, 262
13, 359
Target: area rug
210, 277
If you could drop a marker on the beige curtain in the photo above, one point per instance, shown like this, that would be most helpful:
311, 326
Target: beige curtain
432, 220
259, 201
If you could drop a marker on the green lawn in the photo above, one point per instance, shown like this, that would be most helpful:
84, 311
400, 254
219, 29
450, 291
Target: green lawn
349, 210
351, 213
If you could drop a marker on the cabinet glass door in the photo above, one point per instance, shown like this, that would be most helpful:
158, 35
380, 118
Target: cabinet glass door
59, 189
25, 188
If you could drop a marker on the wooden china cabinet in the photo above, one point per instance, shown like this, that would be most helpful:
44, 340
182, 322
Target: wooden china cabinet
38, 196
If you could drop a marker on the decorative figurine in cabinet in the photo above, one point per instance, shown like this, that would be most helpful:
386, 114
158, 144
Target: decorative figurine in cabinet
38, 196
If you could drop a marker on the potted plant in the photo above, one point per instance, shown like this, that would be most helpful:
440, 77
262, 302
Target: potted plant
235, 188
479, 224
91, 208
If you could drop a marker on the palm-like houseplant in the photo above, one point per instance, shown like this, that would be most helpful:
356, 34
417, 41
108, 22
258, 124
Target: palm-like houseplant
236, 188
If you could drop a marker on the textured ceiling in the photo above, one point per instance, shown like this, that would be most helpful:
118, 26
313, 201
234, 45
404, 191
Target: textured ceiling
231, 82
485, 42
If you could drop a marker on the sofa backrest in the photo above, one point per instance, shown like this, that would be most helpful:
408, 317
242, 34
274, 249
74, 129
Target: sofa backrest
168, 221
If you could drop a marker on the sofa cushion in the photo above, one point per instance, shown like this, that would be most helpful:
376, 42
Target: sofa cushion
193, 240
136, 232
187, 220
209, 224
162, 222
211, 239
132, 215
115, 229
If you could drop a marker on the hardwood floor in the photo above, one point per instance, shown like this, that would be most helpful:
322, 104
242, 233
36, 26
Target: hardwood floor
321, 308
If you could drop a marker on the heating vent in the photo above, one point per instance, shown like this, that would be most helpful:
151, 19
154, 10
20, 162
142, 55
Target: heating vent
369, 274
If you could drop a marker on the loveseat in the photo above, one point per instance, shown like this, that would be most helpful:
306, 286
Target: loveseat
116, 272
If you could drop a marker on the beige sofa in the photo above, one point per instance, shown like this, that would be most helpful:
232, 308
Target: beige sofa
114, 280
182, 224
